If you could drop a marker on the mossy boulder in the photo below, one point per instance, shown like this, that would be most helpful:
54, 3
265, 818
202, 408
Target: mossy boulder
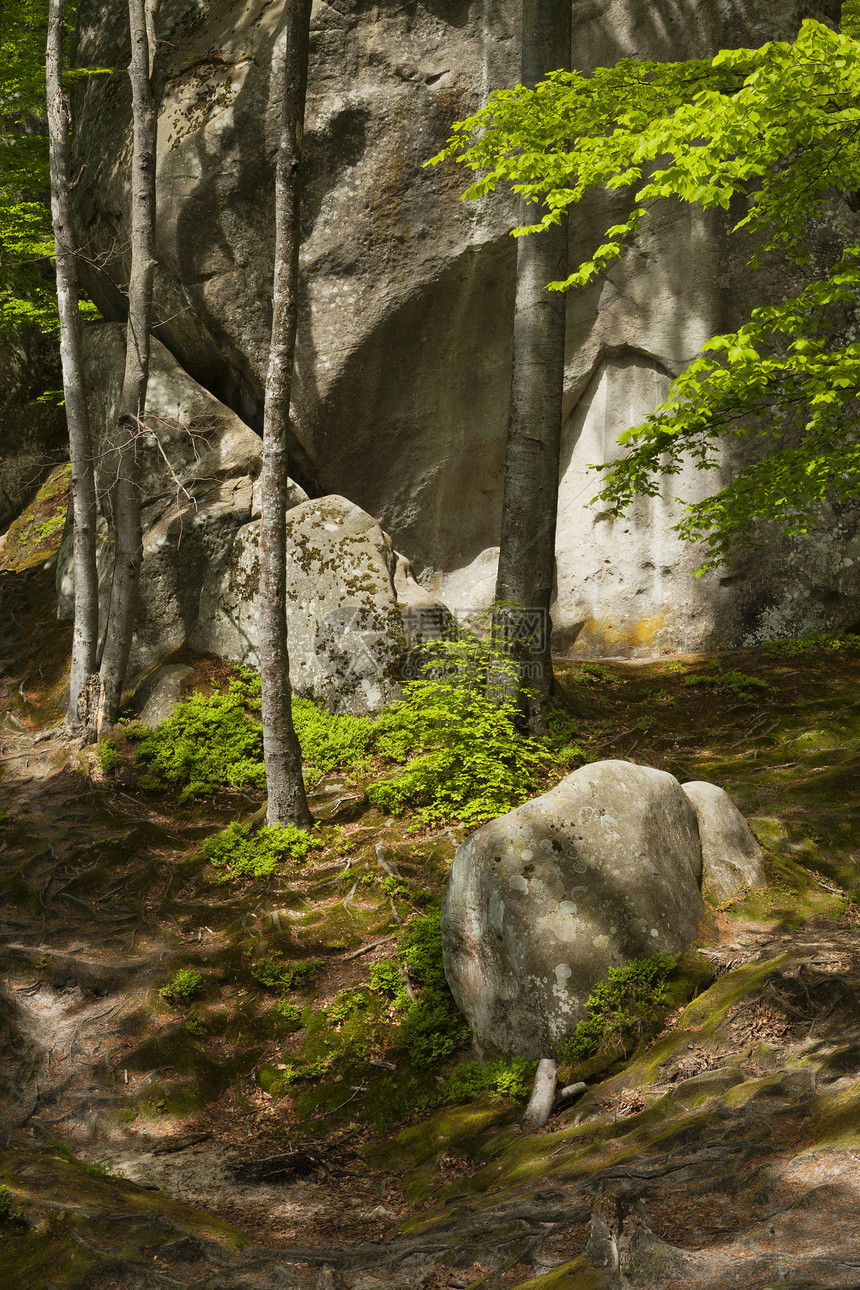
603, 869
352, 606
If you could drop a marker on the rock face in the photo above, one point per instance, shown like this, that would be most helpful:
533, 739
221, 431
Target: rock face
407, 295
199, 462
348, 623
540, 902
354, 610
731, 857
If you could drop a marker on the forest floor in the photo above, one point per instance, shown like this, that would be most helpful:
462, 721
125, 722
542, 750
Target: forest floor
143, 1148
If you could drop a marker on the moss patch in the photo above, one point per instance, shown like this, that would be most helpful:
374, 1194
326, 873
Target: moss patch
36, 534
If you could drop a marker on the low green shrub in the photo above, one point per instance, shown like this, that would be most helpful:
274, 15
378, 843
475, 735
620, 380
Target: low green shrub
597, 672
275, 975
108, 754
795, 645
387, 978
99, 1169
731, 682
10, 1210
346, 1004
210, 742
455, 754
243, 851
216, 741
431, 1027
184, 985
463, 757
330, 739
511, 1076
290, 1013
621, 1007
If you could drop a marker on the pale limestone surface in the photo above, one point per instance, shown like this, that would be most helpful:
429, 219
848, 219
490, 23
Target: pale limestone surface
602, 869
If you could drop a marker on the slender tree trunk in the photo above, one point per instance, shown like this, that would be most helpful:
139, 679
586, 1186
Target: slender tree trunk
81, 714
125, 490
287, 801
521, 622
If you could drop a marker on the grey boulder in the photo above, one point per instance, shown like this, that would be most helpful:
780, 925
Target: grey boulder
602, 869
731, 857
159, 692
352, 606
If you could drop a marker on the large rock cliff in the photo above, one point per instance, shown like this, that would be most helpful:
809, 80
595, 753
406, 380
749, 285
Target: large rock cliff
407, 294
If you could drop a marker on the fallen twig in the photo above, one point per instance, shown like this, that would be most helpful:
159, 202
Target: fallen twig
371, 945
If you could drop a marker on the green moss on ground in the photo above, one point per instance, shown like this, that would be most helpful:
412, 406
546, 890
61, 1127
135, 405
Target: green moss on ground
35, 536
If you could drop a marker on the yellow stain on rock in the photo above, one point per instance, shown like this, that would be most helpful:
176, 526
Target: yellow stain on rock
614, 635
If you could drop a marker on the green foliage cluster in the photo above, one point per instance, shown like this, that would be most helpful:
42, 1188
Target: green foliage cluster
210, 742
463, 757
184, 985
290, 1013
26, 295
98, 1169
273, 974
621, 1007
796, 645
511, 1076
773, 130
27, 292
10, 1210
330, 739
731, 682
347, 1003
345, 1032
597, 672
108, 754
431, 1028
243, 851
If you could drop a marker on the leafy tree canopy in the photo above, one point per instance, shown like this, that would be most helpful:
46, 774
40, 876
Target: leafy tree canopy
27, 292
777, 129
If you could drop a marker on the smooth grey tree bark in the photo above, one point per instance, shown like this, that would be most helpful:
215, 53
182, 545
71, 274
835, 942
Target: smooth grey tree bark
521, 620
281, 752
83, 680
125, 486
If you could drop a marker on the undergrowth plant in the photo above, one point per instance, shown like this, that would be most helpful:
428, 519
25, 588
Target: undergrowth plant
241, 851
463, 756
184, 985
795, 645
457, 755
273, 974
431, 1027
108, 755
10, 1210
731, 682
210, 742
621, 1008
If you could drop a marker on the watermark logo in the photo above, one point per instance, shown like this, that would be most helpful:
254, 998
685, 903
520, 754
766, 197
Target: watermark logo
430, 641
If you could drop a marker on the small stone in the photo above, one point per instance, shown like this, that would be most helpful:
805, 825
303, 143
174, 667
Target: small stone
731, 857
